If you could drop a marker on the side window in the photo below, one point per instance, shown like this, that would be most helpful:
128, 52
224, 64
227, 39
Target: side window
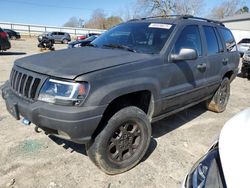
189, 38
221, 48
229, 39
212, 43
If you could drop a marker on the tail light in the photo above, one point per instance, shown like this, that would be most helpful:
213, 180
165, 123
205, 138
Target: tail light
3, 34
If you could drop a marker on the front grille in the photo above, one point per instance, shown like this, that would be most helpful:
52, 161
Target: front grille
26, 83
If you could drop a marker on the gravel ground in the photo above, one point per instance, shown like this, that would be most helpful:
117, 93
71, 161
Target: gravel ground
29, 159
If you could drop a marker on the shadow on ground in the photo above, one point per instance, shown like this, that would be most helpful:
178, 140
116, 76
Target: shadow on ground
175, 121
240, 75
159, 129
79, 148
12, 53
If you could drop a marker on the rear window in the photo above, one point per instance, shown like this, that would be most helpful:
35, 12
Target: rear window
212, 43
245, 41
1, 29
229, 39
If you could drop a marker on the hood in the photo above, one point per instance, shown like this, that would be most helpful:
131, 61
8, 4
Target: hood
70, 63
235, 151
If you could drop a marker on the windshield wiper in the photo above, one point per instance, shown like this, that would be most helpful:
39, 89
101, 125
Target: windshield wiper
120, 47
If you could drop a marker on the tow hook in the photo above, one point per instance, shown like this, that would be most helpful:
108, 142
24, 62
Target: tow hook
37, 129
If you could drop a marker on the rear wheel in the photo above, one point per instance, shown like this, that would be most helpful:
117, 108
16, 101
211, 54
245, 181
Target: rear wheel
123, 142
65, 41
220, 99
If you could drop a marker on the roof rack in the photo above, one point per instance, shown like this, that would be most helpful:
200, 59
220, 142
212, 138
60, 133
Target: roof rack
203, 19
181, 17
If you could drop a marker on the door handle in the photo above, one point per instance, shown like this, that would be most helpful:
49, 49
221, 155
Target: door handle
224, 61
202, 67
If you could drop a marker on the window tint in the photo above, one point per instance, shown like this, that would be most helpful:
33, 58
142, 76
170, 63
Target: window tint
229, 39
189, 38
212, 43
221, 48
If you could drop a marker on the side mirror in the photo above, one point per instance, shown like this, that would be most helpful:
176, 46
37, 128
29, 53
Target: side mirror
185, 54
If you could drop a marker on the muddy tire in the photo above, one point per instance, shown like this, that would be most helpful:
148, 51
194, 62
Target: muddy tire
220, 99
122, 143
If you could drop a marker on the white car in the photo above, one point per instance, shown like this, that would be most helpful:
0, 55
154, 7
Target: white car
243, 45
227, 162
245, 68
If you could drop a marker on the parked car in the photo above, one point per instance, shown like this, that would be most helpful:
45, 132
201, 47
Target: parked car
226, 163
243, 45
82, 37
106, 95
82, 43
12, 34
61, 37
4, 41
245, 68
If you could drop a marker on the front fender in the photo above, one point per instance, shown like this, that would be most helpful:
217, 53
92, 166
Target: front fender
110, 91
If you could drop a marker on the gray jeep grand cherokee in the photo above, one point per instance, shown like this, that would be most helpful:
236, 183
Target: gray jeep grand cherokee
106, 95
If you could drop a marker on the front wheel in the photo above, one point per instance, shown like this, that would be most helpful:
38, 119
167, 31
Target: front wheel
220, 99
123, 142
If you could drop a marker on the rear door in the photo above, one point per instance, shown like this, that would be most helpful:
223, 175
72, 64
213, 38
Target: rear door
61, 36
215, 58
230, 49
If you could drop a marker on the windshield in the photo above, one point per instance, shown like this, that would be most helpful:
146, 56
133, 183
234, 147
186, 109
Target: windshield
138, 37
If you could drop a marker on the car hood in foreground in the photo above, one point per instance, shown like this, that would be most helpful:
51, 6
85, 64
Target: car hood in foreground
70, 63
234, 149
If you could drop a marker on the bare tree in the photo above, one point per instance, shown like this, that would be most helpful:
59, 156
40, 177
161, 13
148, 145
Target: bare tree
129, 12
156, 7
225, 9
98, 20
167, 7
72, 22
112, 21
192, 7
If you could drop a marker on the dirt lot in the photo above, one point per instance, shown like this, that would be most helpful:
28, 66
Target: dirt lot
28, 159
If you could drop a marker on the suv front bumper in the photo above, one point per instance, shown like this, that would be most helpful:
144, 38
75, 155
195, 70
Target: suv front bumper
72, 123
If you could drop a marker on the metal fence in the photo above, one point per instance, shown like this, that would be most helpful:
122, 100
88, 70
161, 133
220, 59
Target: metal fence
34, 30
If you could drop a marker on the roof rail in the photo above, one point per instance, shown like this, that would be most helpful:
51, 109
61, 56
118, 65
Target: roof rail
166, 16
181, 17
203, 19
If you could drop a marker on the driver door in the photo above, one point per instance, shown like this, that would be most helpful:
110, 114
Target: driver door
185, 79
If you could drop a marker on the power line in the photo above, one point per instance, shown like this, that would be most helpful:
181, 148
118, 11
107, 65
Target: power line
51, 6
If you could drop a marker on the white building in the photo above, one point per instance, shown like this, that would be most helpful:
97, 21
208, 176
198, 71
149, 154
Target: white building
239, 25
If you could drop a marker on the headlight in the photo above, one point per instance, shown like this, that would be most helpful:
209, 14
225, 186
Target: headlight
207, 172
64, 93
